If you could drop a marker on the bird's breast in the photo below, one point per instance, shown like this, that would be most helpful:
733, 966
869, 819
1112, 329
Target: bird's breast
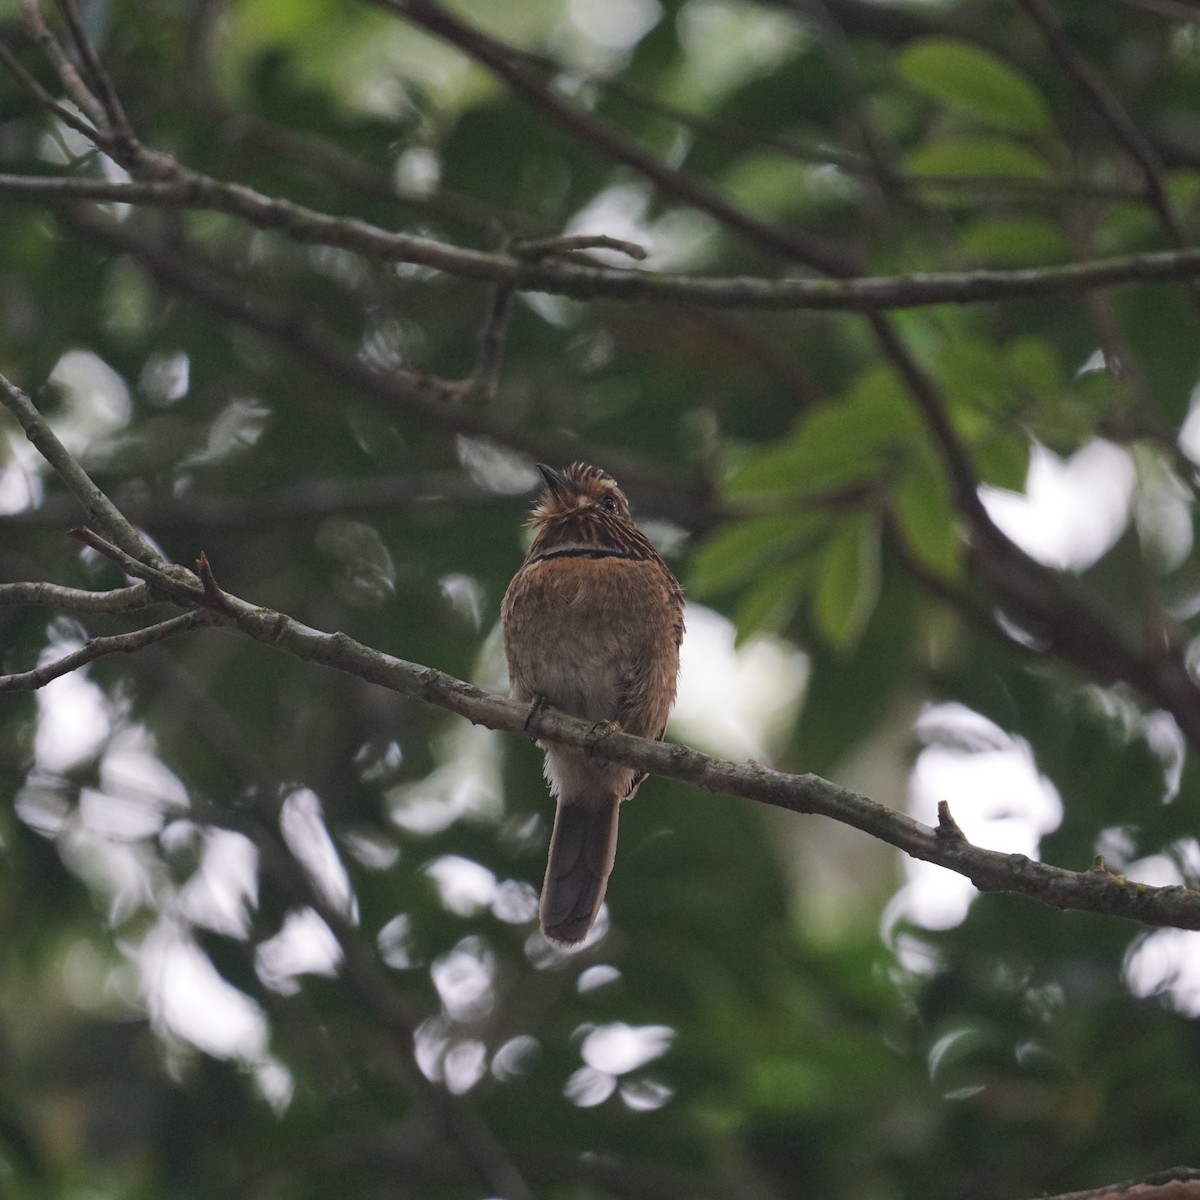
576, 627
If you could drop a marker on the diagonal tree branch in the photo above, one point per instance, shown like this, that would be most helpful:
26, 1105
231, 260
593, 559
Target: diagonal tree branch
1090, 891
94, 648
1102, 98
685, 499
1043, 598
73, 83
98, 507
507, 65
68, 116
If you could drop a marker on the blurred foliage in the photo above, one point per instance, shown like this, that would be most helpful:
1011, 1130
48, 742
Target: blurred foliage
718, 1039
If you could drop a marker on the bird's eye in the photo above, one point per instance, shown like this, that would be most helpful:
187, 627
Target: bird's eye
609, 503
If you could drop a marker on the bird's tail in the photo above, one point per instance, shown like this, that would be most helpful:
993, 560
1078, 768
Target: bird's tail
582, 847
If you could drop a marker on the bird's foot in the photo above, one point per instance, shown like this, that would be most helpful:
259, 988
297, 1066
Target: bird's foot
597, 734
535, 710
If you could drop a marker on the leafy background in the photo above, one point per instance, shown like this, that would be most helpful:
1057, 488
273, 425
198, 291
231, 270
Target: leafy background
768, 1011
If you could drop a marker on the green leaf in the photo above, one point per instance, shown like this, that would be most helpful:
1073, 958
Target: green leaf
1018, 242
848, 581
855, 440
974, 82
1003, 462
1036, 367
737, 552
976, 156
771, 186
787, 1086
1183, 188
769, 605
970, 372
928, 521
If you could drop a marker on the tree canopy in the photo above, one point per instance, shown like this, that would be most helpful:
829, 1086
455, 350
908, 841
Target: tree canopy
884, 315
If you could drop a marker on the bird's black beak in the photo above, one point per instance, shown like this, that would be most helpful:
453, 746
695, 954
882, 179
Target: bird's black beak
554, 481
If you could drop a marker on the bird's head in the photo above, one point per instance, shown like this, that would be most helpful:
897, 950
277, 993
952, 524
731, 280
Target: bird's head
583, 510
580, 493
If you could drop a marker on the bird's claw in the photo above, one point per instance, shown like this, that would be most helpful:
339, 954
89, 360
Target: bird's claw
535, 710
597, 734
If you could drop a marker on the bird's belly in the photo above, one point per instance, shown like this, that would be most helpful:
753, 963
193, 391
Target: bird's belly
582, 668
577, 636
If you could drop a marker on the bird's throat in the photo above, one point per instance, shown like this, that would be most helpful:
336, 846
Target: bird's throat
581, 552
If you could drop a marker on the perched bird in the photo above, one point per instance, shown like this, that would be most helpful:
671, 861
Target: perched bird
592, 621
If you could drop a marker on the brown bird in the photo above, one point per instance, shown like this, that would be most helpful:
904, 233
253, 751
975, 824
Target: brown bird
592, 621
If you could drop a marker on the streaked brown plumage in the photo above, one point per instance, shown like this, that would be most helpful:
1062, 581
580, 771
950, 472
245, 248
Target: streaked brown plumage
592, 621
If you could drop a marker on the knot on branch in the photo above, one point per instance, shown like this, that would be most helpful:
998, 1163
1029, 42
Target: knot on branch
947, 827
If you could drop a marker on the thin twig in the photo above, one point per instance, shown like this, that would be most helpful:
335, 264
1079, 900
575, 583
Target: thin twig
1120, 124
492, 342
591, 129
113, 133
550, 247
213, 595
686, 499
67, 116
959, 469
68, 76
989, 870
102, 87
94, 648
76, 600
166, 585
98, 507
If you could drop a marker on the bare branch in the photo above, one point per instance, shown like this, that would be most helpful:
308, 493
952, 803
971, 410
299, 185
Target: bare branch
68, 116
486, 378
590, 129
166, 585
532, 251
684, 498
76, 600
99, 508
1175, 1183
102, 87
989, 870
94, 648
1092, 84
68, 76
583, 282
959, 470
